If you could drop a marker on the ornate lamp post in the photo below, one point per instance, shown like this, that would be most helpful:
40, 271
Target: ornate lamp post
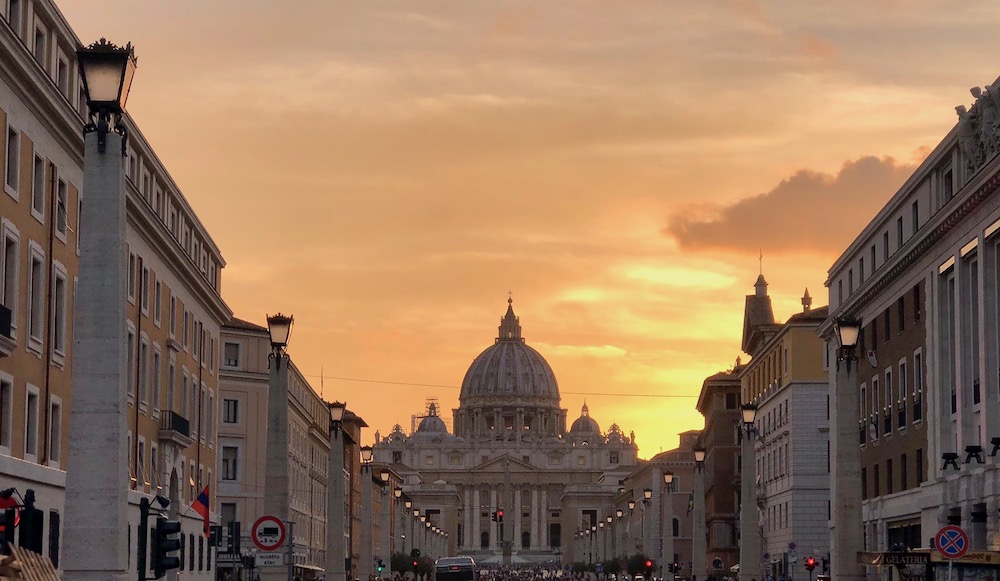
609, 548
276, 471
631, 515
96, 518
750, 552
667, 545
845, 480
336, 497
385, 538
618, 530
365, 555
647, 495
699, 543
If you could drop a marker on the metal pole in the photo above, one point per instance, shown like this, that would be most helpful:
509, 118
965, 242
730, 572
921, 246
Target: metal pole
141, 543
291, 549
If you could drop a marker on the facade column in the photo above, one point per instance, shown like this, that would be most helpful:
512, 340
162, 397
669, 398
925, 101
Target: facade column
543, 519
477, 510
467, 533
494, 529
515, 534
534, 518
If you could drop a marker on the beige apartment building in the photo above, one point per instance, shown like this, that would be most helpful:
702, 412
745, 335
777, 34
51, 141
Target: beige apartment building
243, 446
175, 308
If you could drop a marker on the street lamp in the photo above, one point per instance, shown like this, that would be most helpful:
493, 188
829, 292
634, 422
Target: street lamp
667, 544
366, 557
647, 495
335, 551
99, 372
750, 552
279, 327
699, 544
845, 477
106, 71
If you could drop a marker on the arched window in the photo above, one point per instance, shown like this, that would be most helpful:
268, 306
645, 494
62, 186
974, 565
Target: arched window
677, 527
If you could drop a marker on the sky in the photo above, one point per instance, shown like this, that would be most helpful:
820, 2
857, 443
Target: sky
387, 171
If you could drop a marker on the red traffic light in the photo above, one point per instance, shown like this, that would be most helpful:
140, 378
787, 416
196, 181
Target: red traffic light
414, 564
649, 563
499, 514
810, 563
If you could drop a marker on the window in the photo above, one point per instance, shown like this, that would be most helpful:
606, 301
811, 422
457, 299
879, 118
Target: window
185, 398
62, 205
59, 310
864, 484
144, 290
38, 188
899, 232
6, 410
875, 472
131, 277
920, 465
62, 76
143, 371
850, 281
732, 401
31, 422
915, 215
918, 387
613, 458
13, 161
10, 266
155, 378
230, 411
173, 315
885, 251
901, 404
171, 381
14, 16
131, 365
888, 476
902, 472
39, 46
916, 303
901, 313
948, 186
873, 258
230, 455
888, 325
55, 430
157, 296
36, 297
184, 331
231, 355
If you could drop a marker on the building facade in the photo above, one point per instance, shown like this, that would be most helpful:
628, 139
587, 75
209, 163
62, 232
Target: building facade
174, 308
922, 277
787, 378
510, 450
719, 403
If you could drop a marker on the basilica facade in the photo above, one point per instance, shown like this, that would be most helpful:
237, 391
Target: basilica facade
510, 451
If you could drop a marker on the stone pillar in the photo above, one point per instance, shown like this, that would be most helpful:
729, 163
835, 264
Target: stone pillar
535, 518
667, 534
515, 533
845, 477
477, 511
699, 542
467, 536
494, 530
335, 509
543, 518
365, 568
276, 477
750, 551
95, 524
385, 542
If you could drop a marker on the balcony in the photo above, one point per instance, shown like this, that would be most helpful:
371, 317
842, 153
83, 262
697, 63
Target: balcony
175, 428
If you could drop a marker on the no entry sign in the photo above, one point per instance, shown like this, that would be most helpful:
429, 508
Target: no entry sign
268, 533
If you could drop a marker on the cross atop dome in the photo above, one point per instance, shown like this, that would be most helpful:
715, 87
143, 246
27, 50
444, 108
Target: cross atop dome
510, 324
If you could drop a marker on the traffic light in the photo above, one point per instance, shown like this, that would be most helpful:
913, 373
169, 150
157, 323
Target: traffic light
810, 563
493, 516
649, 566
500, 515
670, 568
164, 545
380, 566
414, 565
677, 567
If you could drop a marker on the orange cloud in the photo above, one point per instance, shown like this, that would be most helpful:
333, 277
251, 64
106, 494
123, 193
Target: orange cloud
786, 219
816, 47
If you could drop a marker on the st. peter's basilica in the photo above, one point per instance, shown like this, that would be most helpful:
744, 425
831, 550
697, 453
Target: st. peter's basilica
510, 451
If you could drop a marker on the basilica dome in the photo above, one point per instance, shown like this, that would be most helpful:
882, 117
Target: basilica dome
585, 425
510, 370
432, 422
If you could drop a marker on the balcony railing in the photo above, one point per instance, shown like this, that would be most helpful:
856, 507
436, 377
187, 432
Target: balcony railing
175, 427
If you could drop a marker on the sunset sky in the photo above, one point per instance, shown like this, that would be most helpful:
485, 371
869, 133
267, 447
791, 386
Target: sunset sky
387, 171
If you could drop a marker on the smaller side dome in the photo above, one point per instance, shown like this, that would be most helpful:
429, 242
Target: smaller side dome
585, 424
432, 422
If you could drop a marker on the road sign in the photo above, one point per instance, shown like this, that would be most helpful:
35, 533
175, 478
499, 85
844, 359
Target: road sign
791, 546
951, 541
268, 533
269, 559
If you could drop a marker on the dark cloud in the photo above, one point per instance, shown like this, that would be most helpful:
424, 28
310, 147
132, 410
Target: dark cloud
797, 214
